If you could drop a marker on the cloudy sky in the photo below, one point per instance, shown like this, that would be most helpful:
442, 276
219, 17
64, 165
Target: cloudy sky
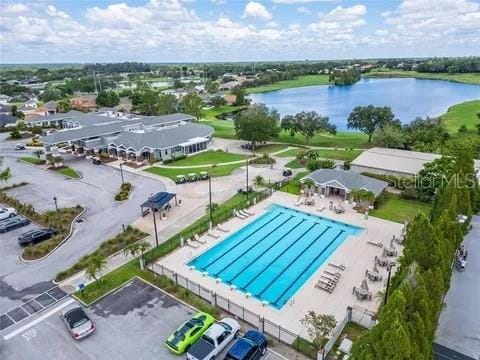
235, 30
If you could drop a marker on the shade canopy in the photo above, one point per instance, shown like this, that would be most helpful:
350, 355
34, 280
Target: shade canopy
159, 200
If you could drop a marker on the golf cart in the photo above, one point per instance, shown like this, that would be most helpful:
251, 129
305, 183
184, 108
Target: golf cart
203, 175
192, 177
180, 179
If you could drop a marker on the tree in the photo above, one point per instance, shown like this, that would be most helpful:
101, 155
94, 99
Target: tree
370, 118
146, 102
258, 123
14, 110
425, 134
259, 182
362, 195
211, 86
15, 134
218, 101
51, 92
290, 124
319, 327
138, 248
95, 266
192, 104
313, 165
239, 96
167, 104
20, 115
38, 153
107, 99
389, 136
214, 207
5, 174
308, 124
64, 106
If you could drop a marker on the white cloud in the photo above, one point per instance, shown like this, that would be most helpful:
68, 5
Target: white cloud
299, 1
339, 24
14, 9
218, 2
381, 32
256, 10
303, 10
272, 24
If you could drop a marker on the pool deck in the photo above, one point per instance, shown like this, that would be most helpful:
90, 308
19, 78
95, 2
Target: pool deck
355, 253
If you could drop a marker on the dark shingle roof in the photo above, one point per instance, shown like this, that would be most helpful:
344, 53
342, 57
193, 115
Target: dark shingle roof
348, 179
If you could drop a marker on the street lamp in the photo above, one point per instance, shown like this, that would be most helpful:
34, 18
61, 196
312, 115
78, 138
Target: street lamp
58, 214
247, 179
210, 197
154, 220
121, 172
389, 267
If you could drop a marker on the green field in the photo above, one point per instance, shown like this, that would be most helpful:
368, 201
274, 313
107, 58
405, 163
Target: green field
468, 78
172, 173
208, 158
33, 160
270, 148
462, 114
398, 209
67, 171
290, 152
211, 114
307, 80
344, 139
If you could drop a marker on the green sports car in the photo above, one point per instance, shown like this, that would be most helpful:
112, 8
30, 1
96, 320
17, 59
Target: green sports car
190, 331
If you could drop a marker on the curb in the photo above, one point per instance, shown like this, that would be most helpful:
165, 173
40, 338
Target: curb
61, 243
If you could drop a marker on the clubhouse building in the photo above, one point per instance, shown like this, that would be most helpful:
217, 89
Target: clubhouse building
127, 136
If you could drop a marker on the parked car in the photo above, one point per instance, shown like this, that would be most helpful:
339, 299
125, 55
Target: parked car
20, 147
252, 346
189, 332
13, 223
96, 161
214, 340
35, 236
77, 322
287, 172
7, 213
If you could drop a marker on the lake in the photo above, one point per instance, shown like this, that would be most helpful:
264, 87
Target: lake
408, 98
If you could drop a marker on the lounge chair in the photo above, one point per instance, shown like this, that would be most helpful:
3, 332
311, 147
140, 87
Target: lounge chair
213, 235
199, 239
241, 212
329, 279
340, 267
222, 229
375, 243
336, 275
320, 209
323, 286
191, 244
248, 212
299, 202
237, 214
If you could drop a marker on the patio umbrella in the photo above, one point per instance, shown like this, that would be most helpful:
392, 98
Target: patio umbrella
364, 284
375, 268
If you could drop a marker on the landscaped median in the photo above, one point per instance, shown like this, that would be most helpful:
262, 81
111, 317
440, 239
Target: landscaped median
124, 193
61, 222
64, 170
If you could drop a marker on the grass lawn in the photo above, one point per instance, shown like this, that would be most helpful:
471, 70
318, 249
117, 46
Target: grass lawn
344, 139
462, 114
294, 186
33, 160
67, 171
294, 164
172, 173
340, 154
469, 78
290, 152
307, 80
398, 209
270, 148
208, 157
211, 114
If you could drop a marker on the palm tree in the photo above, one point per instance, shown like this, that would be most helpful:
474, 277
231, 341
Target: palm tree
259, 181
138, 248
38, 153
312, 155
214, 207
95, 267
362, 195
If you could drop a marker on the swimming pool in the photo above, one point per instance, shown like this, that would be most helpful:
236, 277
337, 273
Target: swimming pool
274, 255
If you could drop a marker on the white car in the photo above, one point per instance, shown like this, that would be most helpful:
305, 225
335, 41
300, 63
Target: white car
6, 213
214, 340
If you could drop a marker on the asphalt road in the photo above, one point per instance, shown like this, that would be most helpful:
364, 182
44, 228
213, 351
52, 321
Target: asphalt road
20, 281
133, 322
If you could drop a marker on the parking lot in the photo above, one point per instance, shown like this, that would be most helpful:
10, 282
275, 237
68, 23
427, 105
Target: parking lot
133, 322
20, 281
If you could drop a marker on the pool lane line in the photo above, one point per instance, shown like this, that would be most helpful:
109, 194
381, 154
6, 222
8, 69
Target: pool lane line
294, 259
276, 258
263, 253
306, 268
251, 247
240, 242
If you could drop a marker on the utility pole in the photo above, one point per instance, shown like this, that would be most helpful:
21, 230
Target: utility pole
154, 220
390, 266
58, 214
121, 172
210, 197
247, 179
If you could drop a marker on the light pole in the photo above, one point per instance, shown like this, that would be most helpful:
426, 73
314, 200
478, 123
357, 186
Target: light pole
247, 179
210, 197
154, 220
121, 172
389, 266
58, 214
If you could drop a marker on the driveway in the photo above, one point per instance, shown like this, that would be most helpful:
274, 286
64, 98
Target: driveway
20, 281
132, 322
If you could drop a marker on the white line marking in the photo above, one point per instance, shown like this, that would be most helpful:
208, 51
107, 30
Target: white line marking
277, 354
37, 320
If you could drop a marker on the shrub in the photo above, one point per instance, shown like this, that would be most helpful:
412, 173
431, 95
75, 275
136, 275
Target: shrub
264, 160
174, 158
124, 192
313, 165
346, 165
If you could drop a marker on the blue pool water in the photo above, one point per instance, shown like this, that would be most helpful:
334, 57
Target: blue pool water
274, 255
407, 97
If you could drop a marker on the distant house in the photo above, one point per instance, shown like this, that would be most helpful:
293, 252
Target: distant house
230, 99
229, 85
29, 105
84, 102
4, 99
5, 109
341, 183
51, 107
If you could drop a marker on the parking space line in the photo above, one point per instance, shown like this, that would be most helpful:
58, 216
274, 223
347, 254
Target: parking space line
10, 318
39, 319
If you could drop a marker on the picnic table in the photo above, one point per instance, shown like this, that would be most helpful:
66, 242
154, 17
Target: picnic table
362, 293
374, 275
